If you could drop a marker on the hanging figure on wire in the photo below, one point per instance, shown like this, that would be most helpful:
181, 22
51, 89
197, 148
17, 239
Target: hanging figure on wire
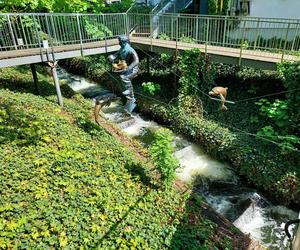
222, 93
126, 62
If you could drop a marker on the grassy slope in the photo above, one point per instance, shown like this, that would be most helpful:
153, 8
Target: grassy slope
65, 182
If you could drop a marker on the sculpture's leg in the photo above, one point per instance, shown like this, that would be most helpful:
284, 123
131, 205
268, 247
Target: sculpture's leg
223, 107
126, 78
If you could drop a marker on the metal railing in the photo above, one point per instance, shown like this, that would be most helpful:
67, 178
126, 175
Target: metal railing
248, 34
25, 31
245, 33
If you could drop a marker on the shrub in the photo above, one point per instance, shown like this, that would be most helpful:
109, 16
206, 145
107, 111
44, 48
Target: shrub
151, 88
161, 150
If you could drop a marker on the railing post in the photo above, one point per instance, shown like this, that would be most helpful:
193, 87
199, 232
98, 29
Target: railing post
105, 39
11, 32
241, 48
53, 28
37, 36
177, 30
257, 34
151, 31
294, 40
50, 36
79, 32
224, 31
127, 23
285, 42
206, 37
197, 28
23, 31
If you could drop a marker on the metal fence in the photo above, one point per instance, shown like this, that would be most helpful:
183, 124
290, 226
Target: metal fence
24, 31
274, 35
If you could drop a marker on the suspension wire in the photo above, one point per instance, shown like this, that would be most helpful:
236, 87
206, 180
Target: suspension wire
231, 102
272, 94
259, 137
218, 122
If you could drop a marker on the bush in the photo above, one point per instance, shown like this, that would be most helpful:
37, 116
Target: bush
150, 88
161, 150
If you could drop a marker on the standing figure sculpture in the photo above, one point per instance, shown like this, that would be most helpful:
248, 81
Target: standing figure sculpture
126, 56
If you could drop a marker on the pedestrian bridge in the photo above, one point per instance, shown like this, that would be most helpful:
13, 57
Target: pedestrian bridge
256, 42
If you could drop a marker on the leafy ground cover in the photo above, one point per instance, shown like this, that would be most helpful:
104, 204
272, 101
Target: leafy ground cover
67, 183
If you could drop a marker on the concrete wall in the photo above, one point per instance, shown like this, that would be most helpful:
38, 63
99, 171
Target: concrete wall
270, 9
275, 8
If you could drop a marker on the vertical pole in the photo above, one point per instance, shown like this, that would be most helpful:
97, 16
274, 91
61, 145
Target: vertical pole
11, 32
35, 78
151, 31
285, 42
206, 39
257, 34
177, 30
23, 31
105, 39
79, 32
241, 47
37, 36
224, 31
56, 83
127, 23
294, 40
197, 28
50, 37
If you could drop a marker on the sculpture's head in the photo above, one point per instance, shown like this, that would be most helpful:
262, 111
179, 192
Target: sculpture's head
123, 40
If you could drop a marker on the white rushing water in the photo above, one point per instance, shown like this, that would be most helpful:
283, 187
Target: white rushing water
250, 212
194, 162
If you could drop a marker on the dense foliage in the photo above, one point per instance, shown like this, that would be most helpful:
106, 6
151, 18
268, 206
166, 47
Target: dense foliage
67, 183
63, 6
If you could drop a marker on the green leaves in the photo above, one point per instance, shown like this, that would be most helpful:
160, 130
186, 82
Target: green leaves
161, 151
74, 188
150, 88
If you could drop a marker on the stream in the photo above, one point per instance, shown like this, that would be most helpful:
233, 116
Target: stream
245, 207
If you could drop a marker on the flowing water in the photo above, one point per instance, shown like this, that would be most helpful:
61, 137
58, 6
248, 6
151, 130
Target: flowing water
219, 185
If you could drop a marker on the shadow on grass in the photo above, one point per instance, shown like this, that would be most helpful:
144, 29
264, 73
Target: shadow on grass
140, 173
19, 79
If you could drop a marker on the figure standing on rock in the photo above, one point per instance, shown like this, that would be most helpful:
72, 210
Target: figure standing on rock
126, 56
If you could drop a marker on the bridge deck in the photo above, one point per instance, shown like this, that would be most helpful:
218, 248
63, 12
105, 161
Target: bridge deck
36, 55
257, 59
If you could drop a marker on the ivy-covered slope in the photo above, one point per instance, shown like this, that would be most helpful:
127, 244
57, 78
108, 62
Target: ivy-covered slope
67, 183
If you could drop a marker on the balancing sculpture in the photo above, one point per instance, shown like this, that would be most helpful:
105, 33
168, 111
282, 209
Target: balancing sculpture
126, 62
222, 93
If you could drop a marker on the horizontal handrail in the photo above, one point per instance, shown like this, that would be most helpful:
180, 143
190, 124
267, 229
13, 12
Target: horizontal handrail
19, 31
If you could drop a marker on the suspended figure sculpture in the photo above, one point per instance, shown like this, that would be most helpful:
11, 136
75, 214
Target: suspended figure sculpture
222, 93
126, 62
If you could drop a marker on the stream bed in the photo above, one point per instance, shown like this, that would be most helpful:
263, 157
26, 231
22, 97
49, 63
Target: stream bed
245, 207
